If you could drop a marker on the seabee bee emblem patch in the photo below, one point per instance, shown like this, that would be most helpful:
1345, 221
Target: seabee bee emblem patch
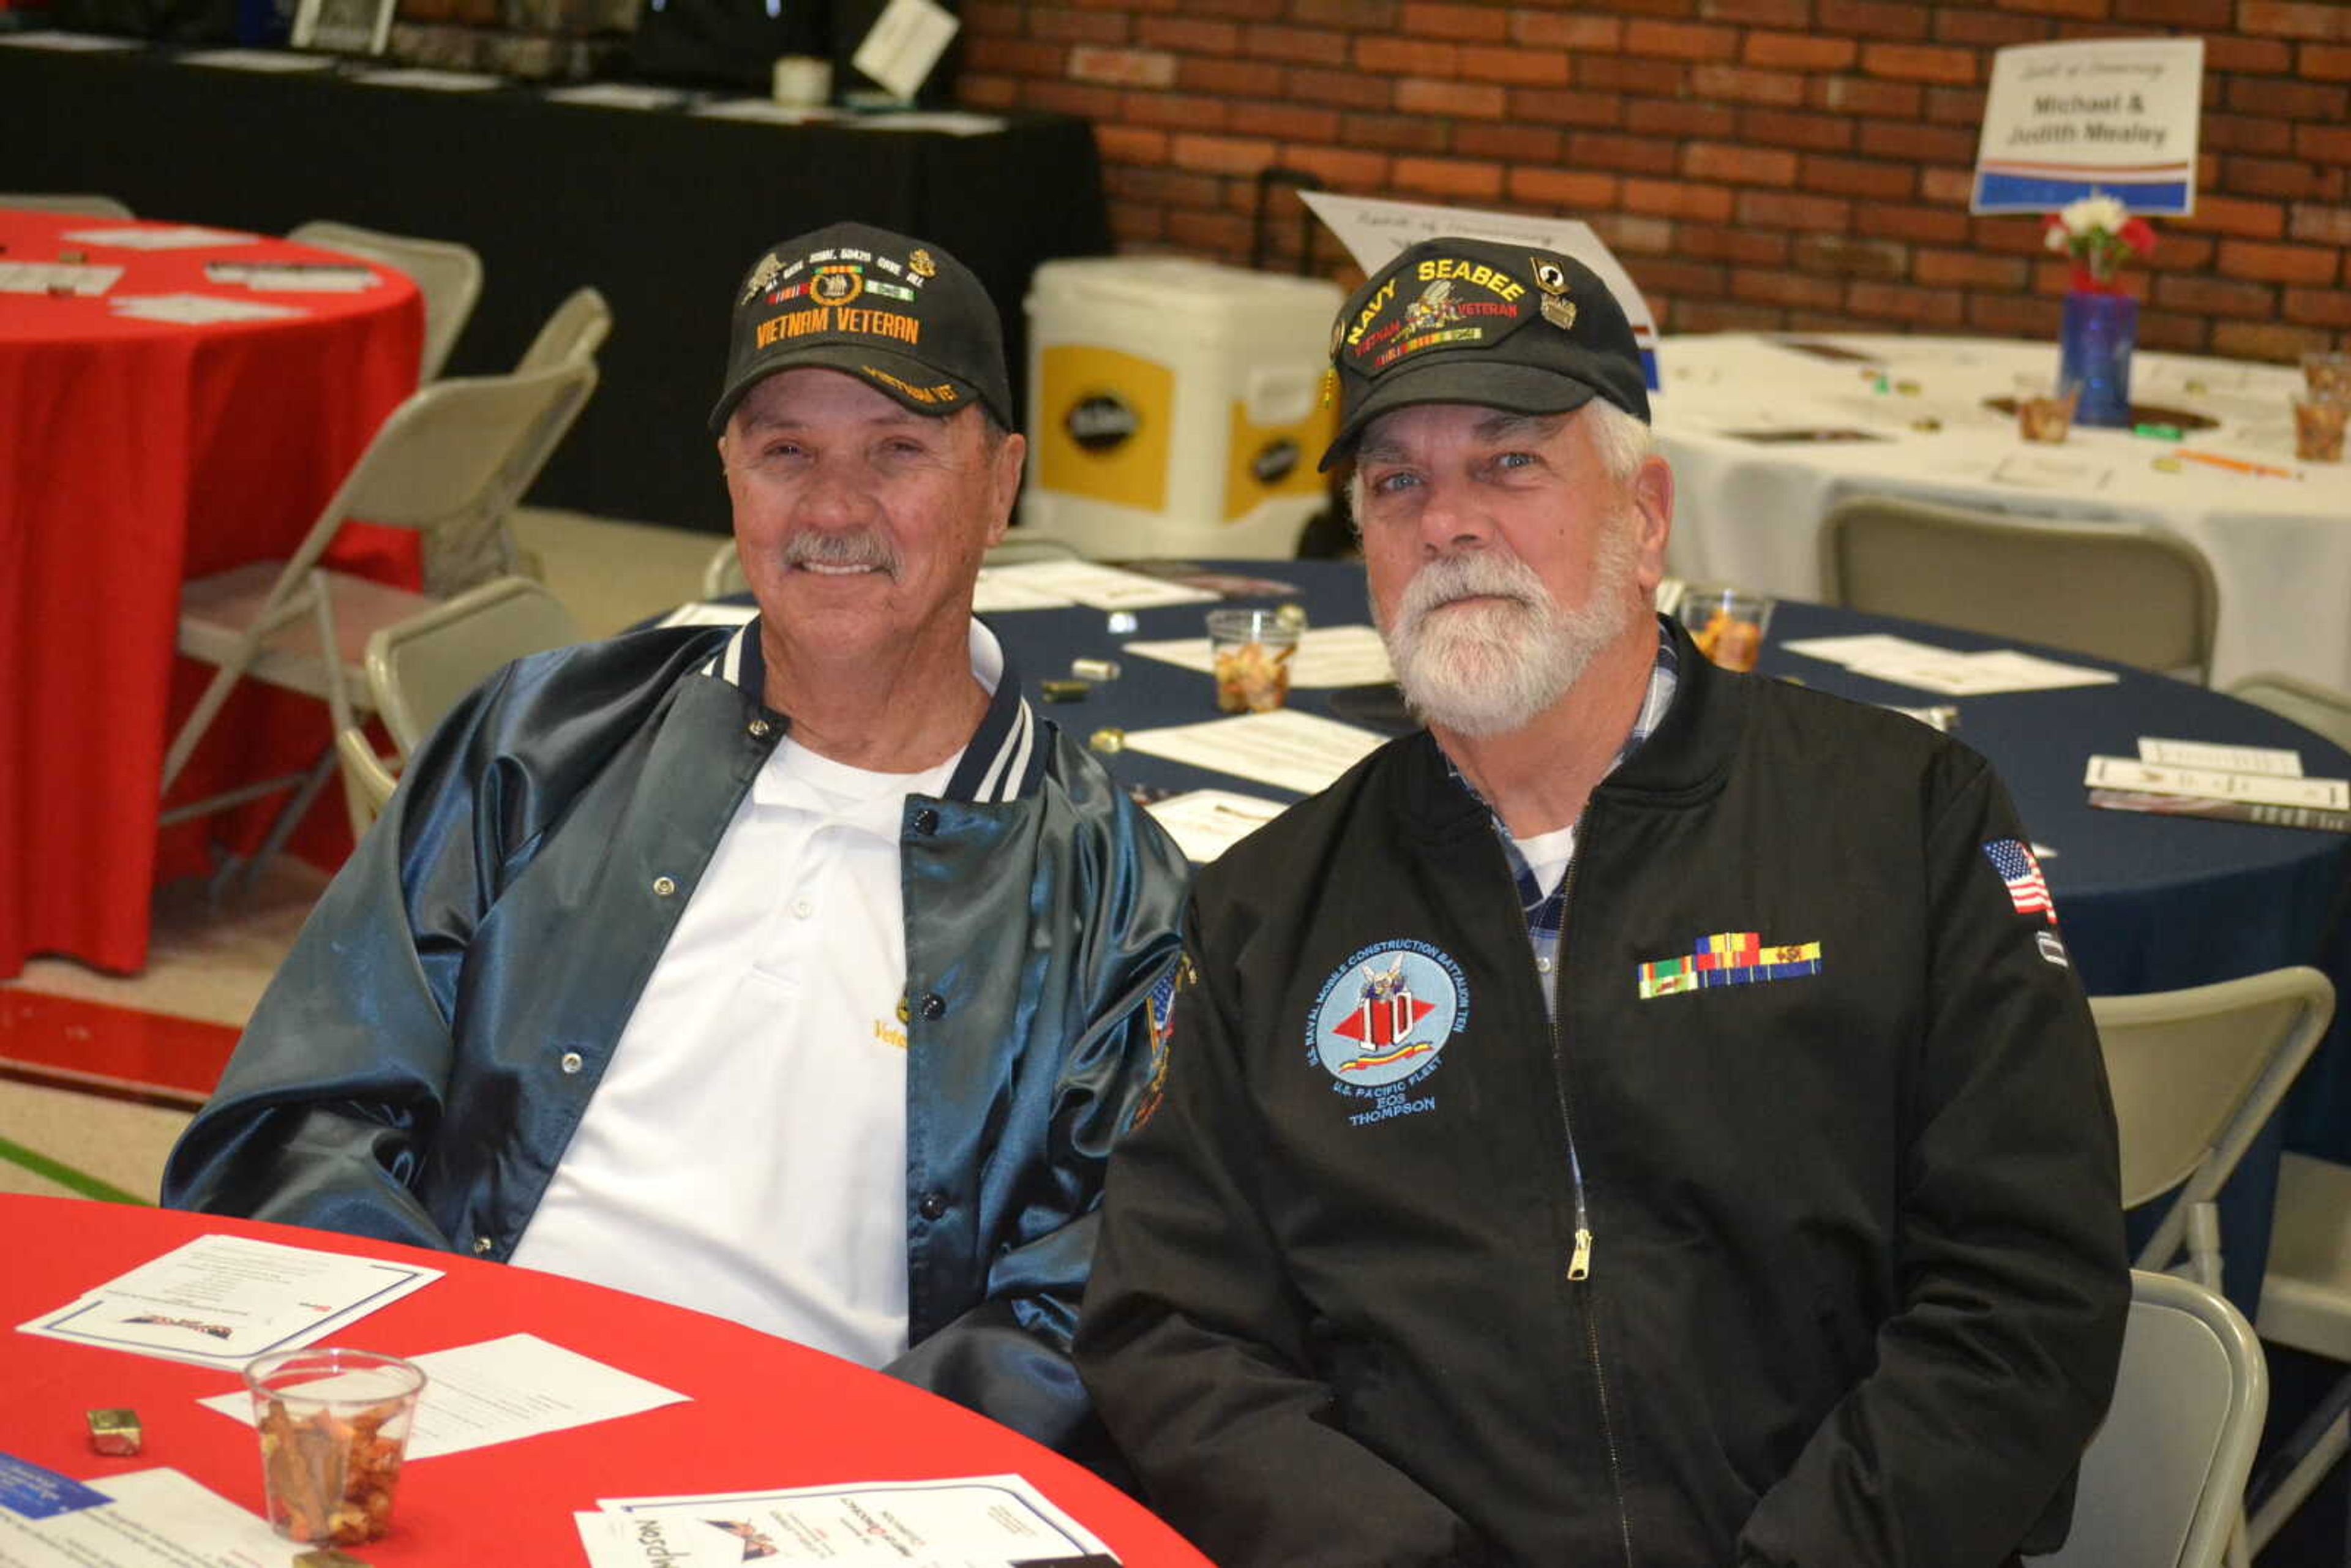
1381, 1024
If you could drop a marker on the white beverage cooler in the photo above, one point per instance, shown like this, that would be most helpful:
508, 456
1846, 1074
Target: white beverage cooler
1175, 406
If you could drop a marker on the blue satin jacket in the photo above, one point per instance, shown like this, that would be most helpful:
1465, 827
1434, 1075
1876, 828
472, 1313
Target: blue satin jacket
418, 1065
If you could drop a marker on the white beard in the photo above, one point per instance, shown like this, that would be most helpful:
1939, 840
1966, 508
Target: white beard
1490, 667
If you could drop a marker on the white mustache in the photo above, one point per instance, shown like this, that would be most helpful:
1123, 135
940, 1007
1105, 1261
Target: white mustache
1476, 574
856, 547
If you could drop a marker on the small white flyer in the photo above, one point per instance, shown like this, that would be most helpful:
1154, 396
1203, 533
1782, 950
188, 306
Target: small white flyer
220, 1301
1205, 823
978, 1521
501, 1390
1327, 656
1285, 748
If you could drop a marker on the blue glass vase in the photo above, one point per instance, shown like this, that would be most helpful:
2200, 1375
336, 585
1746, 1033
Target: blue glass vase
2095, 344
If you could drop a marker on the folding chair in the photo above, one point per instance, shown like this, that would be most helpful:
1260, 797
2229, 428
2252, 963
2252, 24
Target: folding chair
575, 331
723, 575
2308, 704
577, 327
2196, 1074
2116, 590
449, 275
2163, 1480
1012, 548
88, 206
419, 668
441, 463
2306, 1305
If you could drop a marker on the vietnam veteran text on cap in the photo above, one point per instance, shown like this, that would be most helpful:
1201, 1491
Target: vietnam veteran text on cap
901, 315
1465, 320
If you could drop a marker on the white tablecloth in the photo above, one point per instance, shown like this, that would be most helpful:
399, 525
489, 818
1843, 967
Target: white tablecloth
1749, 509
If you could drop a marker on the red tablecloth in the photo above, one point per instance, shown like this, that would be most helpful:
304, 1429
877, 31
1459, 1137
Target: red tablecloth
135, 455
760, 1413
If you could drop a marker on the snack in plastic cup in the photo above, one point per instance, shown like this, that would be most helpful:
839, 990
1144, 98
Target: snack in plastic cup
1252, 650
2045, 409
1727, 624
2328, 376
2318, 429
334, 1425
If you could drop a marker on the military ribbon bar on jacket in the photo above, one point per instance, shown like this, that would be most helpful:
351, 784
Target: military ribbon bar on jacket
1728, 958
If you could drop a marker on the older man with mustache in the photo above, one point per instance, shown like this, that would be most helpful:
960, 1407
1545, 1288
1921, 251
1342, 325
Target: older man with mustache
1639, 1119
797, 972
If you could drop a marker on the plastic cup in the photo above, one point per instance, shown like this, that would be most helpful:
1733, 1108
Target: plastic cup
334, 1426
1727, 624
2318, 429
2328, 376
2044, 408
1252, 650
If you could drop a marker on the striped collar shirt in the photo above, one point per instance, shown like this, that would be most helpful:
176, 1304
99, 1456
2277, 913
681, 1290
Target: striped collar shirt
1546, 910
1005, 758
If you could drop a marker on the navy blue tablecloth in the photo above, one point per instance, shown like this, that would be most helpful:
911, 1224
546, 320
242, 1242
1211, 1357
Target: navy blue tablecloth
2148, 902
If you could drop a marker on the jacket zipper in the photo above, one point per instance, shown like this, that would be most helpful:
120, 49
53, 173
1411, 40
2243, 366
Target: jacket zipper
1579, 1266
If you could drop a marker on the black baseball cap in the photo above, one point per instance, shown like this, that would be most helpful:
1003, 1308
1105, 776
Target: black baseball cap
901, 315
1476, 321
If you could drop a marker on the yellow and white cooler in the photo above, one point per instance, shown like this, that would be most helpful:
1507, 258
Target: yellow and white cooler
1175, 406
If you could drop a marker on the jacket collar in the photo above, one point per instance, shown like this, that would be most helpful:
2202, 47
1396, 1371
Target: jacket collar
1005, 758
1686, 757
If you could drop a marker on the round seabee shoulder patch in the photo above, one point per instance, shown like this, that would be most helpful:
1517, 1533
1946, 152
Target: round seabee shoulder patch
1383, 1020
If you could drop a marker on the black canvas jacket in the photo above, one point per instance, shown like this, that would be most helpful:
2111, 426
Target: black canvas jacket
1855, 1282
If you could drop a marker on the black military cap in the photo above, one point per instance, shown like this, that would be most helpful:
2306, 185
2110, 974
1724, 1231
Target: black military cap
903, 317
1466, 320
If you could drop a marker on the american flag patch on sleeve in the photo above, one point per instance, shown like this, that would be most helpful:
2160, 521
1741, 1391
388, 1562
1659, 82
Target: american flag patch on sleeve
2020, 872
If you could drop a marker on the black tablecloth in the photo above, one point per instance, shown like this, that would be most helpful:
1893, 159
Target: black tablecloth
662, 211
2148, 902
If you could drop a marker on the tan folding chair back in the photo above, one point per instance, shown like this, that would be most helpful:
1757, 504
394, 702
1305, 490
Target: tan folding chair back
723, 575
2163, 1482
88, 204
438, 465
2306, 1305
1014, 548
2308, 704
421, 667
447, 273
2117, 590
577, 328
2196, 1073
466, 472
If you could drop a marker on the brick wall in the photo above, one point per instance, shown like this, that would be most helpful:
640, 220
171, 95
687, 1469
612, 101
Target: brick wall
1757, 163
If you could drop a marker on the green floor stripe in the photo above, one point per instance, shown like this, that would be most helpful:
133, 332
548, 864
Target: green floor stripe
65, 1176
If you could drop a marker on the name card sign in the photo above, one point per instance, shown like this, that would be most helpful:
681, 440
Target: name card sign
2118, 115
906, 43
1376, 231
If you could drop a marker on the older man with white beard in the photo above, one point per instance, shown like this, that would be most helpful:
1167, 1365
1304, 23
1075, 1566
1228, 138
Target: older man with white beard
796, 972
1641, 1118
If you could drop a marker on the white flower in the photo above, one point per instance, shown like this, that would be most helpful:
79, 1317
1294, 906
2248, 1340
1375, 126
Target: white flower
2095, 213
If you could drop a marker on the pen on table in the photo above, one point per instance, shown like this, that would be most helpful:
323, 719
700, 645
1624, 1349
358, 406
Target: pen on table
2236, 464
